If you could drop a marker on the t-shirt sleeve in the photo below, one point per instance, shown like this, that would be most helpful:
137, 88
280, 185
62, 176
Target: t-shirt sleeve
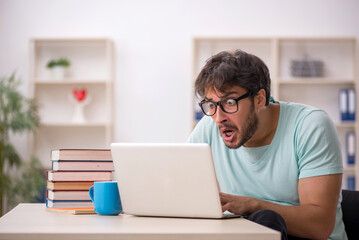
318, 147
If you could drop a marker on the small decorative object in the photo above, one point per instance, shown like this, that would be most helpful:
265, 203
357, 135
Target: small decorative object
307, 67
58, 68
80, 99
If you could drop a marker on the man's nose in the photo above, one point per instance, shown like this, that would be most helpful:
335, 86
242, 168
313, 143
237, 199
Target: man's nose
220, 115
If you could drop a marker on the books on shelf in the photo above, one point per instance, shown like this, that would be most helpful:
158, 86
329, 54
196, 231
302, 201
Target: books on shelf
79, 176
82, 195
69, 185
82, 166
81, 155
73, 172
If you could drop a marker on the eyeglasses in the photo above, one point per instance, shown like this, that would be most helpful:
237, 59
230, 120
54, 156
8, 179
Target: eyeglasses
229, 105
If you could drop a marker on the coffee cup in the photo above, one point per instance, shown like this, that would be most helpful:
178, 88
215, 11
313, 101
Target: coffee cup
106, 198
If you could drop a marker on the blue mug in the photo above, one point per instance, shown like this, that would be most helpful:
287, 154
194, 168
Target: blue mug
106, 198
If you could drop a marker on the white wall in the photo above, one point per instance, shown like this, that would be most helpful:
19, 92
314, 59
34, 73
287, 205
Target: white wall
153, 46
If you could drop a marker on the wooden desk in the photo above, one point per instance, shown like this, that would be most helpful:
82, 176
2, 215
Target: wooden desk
31, 221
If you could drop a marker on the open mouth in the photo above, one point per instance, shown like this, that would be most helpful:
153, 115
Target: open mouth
227, 134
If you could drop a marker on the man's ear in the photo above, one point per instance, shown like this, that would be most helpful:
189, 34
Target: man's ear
260, 99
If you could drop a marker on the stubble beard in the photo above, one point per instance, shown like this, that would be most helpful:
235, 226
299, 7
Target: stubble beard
248, 130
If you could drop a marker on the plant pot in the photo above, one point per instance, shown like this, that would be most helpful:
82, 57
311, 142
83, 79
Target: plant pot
59, 73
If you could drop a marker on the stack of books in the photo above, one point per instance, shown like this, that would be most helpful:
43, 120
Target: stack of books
73, 172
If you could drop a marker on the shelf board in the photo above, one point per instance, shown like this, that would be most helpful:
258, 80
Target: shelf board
350, 169
315, 81
317, 39
44, 82
345, 125
75, 124
69, 40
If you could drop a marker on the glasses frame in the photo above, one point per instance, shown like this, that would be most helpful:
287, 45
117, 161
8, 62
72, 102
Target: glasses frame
248, 94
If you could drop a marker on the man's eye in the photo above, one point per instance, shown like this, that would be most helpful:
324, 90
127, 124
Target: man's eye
231, 102
211, 105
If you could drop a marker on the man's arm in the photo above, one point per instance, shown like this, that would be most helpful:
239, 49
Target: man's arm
314, 218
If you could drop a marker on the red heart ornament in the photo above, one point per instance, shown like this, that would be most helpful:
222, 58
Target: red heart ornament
79, 94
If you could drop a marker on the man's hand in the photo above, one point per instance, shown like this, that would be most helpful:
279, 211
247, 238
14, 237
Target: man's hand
314, 218
237, 204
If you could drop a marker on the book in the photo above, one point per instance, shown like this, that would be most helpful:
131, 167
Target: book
350, 183
351, 104
350, 148
343, 104
68, 204
68, 195
75, 211
69, 185
79, 176
82, 166
81, 155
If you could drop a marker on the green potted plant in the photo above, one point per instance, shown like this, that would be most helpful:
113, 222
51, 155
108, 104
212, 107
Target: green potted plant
58, 67
20, 181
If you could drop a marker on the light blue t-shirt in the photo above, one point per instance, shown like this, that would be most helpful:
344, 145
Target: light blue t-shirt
305, 145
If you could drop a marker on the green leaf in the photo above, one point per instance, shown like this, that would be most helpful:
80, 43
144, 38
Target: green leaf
18, 181
63, 62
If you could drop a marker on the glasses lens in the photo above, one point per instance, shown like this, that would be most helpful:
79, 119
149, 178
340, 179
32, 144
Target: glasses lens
230, 105
208, 108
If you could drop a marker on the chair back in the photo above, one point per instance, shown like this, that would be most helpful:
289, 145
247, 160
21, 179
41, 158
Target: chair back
350, 209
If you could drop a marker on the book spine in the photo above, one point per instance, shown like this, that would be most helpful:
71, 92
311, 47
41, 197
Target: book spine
79, 176
68, 195
343, 105
67, 204
351, 104
81, 155
350, 145
82, 166
351, 182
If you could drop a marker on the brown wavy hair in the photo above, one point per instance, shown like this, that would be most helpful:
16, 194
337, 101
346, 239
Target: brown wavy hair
227, 69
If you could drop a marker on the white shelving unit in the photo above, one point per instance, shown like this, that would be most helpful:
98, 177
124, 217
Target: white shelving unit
91, 69
340, 63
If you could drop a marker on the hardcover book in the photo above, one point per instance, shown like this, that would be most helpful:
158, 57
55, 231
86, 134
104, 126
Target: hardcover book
75, 211
81, 155
68, 204
69, 185
82, 166
79, 176
68, 195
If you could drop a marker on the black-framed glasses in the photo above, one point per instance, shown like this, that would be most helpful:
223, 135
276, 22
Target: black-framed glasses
229, 105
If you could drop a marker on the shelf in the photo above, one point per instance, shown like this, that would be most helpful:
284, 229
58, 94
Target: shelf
74, 124
69, 82
46, 41
315, 81
91, 69
345, 125
349, 170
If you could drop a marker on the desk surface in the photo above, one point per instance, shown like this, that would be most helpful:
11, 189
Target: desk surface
32, 221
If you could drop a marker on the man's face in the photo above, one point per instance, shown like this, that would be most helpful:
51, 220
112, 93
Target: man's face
235, 128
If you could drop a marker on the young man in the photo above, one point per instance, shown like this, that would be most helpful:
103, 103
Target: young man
274, 161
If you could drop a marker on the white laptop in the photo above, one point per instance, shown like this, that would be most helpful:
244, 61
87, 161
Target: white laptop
169, 180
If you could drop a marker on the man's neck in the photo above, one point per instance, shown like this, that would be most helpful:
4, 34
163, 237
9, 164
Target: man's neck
267, 126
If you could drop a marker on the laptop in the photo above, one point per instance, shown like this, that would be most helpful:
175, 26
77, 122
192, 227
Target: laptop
167, 180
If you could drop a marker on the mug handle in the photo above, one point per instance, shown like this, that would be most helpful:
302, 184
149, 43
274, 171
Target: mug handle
91, 193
